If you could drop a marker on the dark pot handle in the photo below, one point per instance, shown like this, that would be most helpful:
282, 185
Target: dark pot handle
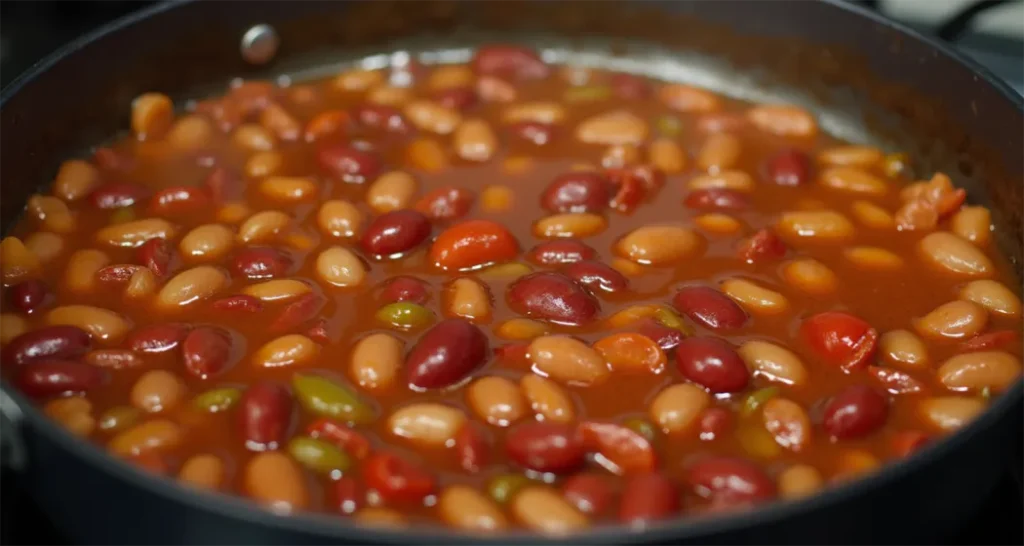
13, 454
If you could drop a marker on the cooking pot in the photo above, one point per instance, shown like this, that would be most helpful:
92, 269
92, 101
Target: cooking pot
869, 80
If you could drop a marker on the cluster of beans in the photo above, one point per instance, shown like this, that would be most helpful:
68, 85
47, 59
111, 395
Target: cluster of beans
320, 296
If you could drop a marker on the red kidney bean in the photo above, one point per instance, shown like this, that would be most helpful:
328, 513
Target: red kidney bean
109, 159
855, 412
666, 338
264, 415
348, 163
628, 196
728, 481
471, 448
157, 338
223, 185
713, 363
302, 309
395, 232
260, 263
404, 288
28, 295
545, 447
990, 340
242, 303
513, 352
560, 251
347, 495
379, 117
114, 195
341, 435
763, 246
841, 339
895, 381
789, 168
114, 359
156, 254
649, 177
714, 423
446, 203
533, 131
397, 480
709, 308
206, 351
446, 354
50, 342
597, 276
578, 191
179, 200
319, 333
630, 87
118, 274
553, 297
626, 450
457, 98
716, 199
44, 378
648, 497
589, 493
510, 61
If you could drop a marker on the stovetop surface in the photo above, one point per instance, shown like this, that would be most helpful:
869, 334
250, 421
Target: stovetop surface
31, 30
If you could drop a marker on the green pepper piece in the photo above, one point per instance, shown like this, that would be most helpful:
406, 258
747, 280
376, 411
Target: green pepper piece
405, 315
669, 126
757, 398
587, 93
503, 487
327, 398
672, 320
217, 400
319, 456
641, 427
119, 418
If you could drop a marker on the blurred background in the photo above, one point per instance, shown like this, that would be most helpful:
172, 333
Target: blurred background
991, 31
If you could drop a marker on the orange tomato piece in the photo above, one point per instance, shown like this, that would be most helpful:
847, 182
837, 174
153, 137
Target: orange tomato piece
473, 244
630, 351
624, 451
327, 123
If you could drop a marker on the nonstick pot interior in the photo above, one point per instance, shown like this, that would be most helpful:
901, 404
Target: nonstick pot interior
869, 82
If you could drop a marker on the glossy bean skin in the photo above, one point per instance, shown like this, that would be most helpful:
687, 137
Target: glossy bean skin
446, 354
855, 412
553, 297
709, 307
712, 363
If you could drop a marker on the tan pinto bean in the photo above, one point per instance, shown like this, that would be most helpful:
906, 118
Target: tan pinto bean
996, 370
17, 263
427, 423
150, 435
853, 180
339, 266
666, 155
818, 225
574, 224
873, 258
432, 117
783, 120
621, 155
955, 255
11, 326
190, 133
721, 151
391, 191
521, 328
376, 361
152, 114
277, 289
810, 276
142, 284
262, 226
660, 244
358, 79
103, 324
450, 76
463, 507
724, 180
427, 155
773, 362
233, 213
950, 412
993, 296
973, 224
45, 245
339, 218
288, 189
75, 180
548, 113
684, 98
136, 232
204, 471
677, 408
496, 400
388, 95
542, 509
266, 163
548, 399
872, 215
52, 213
74, 414
80, 273
192, 285
376, 516
954, 320
497, 198
274, 479
208, 242
567, 360
468, 299
287, 352
157, 391
474, 140
718, 223
863, 157
756, 299
615, 127
902, 348
787, 422
799, 481
253, 138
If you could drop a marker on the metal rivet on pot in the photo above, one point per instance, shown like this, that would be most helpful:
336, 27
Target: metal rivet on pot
259, 44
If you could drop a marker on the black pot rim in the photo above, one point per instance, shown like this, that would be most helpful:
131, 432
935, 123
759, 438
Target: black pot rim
669, 531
